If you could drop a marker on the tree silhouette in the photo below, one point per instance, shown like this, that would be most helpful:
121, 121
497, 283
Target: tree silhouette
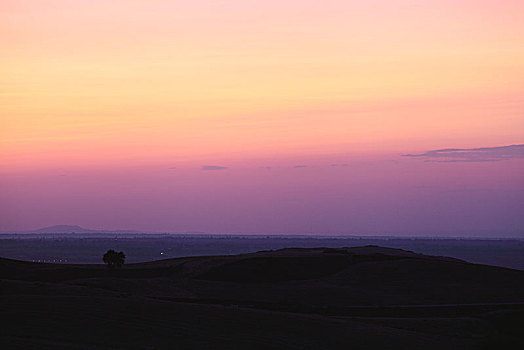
114, 259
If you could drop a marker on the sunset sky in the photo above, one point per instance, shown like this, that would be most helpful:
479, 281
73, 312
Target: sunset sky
243, 116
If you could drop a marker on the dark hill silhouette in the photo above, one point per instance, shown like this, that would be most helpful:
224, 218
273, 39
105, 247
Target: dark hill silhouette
75, 229
64, 229
365, 297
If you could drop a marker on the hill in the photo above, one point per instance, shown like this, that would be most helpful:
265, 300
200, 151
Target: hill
364, 298
64, 229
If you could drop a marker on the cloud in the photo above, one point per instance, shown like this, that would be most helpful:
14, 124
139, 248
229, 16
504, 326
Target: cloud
469, 190
300, 166
484, 154
172, 168
335, 165
213, 167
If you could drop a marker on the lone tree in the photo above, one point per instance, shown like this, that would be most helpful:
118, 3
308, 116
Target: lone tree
113, 258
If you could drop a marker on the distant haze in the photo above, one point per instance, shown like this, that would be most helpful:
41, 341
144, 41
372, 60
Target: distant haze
374, 196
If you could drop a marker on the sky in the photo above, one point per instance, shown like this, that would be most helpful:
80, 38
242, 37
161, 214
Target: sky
365, 117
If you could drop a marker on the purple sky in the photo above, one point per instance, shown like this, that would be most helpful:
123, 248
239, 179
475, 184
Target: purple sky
461, 194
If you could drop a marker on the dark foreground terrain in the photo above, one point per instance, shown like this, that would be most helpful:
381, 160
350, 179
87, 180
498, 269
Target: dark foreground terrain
323, 298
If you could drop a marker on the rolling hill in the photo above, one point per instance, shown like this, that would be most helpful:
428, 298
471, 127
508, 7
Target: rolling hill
365, 298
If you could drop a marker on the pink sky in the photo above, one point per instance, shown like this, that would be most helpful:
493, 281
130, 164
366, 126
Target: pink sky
164, 116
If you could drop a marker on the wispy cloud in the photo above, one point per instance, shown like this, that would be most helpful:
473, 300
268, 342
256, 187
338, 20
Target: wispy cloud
335, 165
213, 167
300, 166
484, 154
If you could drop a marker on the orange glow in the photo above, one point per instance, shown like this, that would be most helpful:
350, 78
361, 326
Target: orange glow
98, 82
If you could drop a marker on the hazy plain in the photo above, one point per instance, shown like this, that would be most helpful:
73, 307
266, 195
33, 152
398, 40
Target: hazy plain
89, 248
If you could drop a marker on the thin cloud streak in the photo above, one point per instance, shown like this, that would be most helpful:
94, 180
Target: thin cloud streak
482, 154
213, 167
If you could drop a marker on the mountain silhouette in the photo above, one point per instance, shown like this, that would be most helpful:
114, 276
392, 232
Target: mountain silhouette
64, 229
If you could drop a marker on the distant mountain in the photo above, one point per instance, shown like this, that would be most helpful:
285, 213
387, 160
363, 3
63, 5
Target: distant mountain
65, 229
